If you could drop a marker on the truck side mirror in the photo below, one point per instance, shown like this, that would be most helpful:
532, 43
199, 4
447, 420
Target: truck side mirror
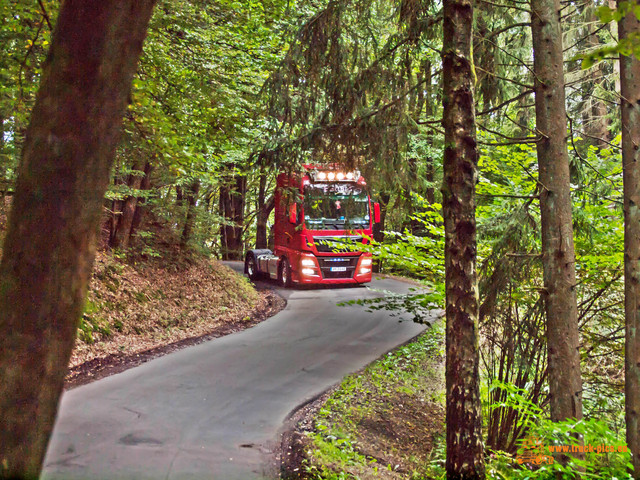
376, 212
293, 213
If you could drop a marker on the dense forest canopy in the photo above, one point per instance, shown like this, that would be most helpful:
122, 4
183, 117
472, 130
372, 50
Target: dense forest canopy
227, 94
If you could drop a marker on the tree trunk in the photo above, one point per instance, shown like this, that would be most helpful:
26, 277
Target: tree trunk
122, 232
141, 206
192, 197
262, 217
232, 209
179, 196
429, 110
465, 451
558, 256
630, 106
264, 208
596, 124
52, 230
116, 211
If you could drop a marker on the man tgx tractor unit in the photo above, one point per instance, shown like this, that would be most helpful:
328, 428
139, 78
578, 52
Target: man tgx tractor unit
316, 214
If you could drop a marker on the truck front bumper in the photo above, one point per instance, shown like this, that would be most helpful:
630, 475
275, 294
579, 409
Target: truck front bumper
329, 270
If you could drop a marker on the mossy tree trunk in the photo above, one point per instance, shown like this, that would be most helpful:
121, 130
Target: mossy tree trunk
465, 450
52, 230
630, 106
558, 255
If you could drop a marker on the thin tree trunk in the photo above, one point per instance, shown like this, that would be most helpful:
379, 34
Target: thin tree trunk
261, 229
429, 109
558, 256
50, 243
116, 211
3, 185
120, 236
232, 209
465, 450
141, 206
192, 197
630, 106
264, 207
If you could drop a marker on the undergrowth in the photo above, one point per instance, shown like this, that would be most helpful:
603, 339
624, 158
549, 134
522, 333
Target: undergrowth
356, 428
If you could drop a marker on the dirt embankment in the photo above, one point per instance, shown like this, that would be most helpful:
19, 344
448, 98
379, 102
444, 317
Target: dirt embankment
138, 312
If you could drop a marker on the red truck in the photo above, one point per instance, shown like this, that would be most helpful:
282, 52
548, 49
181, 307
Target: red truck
317, 212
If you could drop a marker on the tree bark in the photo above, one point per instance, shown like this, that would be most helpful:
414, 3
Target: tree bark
558, 256
141, 206
232, 209
630, 107
52, 230
192, 197
264, 207
121, 234
262, 217
465, 450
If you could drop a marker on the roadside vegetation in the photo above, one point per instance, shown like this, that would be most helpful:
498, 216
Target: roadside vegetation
384, 422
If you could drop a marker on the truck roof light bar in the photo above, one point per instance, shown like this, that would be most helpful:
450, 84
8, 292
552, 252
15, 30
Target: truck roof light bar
333, 176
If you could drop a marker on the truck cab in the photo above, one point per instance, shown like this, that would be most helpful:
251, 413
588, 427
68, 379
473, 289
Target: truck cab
318, 212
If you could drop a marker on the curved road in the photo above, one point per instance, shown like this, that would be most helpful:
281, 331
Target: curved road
215, 410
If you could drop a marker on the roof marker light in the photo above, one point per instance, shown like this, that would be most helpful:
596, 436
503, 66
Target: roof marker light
340, 176
322, 175
350, 176
331, 176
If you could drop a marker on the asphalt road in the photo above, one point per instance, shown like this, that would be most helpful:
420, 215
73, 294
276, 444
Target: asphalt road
215, 410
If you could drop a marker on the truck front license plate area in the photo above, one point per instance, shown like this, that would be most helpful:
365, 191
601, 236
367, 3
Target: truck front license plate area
338, 269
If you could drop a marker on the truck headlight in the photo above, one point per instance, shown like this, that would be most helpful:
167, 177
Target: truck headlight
308, 271
307, 262
366, 262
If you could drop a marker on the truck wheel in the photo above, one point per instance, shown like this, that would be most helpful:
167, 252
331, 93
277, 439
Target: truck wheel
251, 267
285, 273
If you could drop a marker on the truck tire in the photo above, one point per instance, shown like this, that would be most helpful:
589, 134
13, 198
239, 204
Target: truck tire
284, 276
251, 267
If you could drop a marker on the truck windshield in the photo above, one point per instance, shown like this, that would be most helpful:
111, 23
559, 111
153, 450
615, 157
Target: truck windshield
340, 206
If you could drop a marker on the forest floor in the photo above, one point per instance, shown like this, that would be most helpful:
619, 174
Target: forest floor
385, 422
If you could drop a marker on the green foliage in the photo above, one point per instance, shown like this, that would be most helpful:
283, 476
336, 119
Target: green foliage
596, 432
630, 45
417, 256
25, 34
92, 323
597, 464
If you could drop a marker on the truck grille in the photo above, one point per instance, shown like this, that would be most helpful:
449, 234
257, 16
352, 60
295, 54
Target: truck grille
334, 244
348, 263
